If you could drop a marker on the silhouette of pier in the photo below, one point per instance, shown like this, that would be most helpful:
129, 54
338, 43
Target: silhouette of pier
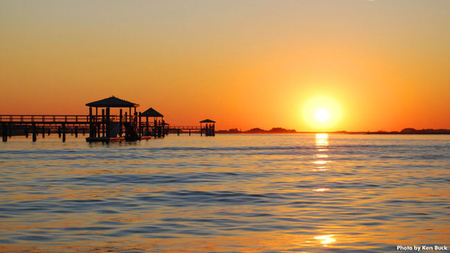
101, 124
207, 127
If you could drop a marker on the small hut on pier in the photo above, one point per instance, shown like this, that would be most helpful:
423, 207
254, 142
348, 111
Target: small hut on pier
157, 129
208, 127
107, 127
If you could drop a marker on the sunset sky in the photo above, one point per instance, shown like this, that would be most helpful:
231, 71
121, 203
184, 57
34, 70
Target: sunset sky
256, 63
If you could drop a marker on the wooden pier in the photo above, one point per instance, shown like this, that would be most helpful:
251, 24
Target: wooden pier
207, 127
13, 125
101, 125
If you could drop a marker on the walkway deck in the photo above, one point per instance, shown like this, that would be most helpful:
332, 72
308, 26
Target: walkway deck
23, 125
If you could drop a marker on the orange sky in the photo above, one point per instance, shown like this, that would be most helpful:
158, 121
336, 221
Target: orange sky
243, 63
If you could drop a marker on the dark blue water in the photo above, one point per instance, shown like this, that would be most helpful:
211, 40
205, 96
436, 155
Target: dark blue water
229, 193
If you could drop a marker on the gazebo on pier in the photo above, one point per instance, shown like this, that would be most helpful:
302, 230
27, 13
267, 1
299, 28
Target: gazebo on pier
107, 127
208, 127
157, 129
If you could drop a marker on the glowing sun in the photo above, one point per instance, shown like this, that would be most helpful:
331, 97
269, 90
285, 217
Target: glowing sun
322, 115
321, 112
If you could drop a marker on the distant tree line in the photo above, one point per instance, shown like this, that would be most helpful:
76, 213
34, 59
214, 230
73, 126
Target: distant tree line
414, 131
280, 130
275, 130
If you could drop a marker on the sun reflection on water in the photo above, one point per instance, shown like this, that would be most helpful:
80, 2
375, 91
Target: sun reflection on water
322, 140
321, 189
321, 158
325, 239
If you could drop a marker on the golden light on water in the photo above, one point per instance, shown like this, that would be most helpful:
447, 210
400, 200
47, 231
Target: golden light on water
321, 189
322, 144
321, 155
325, 239
321, 139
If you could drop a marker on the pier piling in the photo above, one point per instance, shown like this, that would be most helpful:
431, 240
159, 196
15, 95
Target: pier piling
4, 132
64, 132
33, 126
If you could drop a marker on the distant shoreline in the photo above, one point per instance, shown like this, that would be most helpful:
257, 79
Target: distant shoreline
279, 130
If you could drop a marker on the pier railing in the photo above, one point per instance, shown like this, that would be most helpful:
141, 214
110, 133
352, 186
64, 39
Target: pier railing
70, 119
81, 119
185, 127
44, 118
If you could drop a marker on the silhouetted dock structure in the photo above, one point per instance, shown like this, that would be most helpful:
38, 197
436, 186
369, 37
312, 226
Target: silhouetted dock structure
107, 127
158, 129
207, 127
109, 119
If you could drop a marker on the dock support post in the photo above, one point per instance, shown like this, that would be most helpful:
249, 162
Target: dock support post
96, 125
91, 125
103, 123
159, 129
108, 123
76, 131
64, 132
139, 125
125, 121
97, 129
34, 132
4, 132
120, 123
178, 132
26, 131
135, 121
59, 132
146, 126
43, 131
189, 132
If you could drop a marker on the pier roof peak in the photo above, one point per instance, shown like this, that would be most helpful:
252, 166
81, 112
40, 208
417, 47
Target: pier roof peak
150, 112
112, 102
207, 121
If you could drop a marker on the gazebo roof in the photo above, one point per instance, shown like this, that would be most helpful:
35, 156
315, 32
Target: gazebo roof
207, 121
150, 112
112, 102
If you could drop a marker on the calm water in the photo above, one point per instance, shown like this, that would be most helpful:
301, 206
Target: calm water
229, 193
